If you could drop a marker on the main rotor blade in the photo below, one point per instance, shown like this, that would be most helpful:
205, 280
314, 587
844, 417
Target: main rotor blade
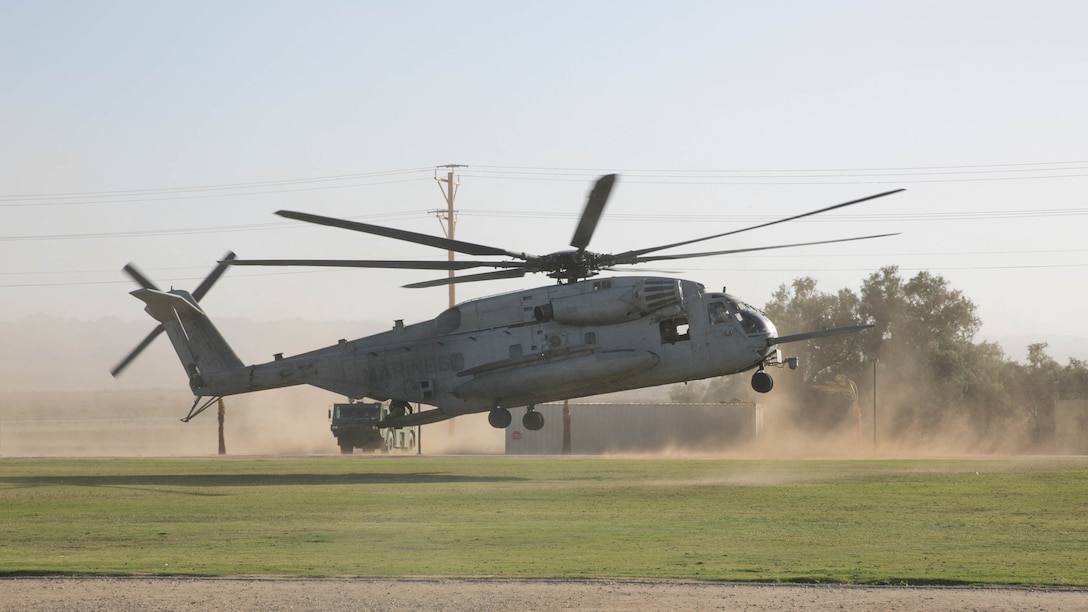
209, 280
435, 241
117, 369
139, 277
470, 278
378, 263
598, 197
638, 252
748, 250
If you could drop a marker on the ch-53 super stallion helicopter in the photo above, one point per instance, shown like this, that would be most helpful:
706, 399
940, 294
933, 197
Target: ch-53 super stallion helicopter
582, 336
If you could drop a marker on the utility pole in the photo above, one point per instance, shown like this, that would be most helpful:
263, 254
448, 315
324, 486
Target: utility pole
222, 417
875, 360
448, 217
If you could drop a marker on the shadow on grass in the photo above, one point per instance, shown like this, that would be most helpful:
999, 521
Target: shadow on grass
882, 582
245, 480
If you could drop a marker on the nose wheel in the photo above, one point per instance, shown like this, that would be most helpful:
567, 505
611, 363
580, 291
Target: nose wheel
762, 381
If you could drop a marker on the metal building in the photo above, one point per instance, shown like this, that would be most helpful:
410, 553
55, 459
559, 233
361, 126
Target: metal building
599, 428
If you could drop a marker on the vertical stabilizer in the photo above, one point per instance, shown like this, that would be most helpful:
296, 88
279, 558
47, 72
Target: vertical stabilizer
201, 348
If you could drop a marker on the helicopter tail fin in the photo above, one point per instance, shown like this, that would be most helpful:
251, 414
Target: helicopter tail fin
203, 351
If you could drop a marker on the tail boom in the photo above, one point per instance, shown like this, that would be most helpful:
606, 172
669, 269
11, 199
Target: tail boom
213, 368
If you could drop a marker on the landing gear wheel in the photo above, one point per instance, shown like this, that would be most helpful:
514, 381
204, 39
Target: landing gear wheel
346, 449
762, 382
533, 420
499, 418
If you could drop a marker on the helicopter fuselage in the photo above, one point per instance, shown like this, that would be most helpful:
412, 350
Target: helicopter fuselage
532, 346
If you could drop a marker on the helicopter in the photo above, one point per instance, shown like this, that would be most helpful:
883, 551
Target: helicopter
583, 335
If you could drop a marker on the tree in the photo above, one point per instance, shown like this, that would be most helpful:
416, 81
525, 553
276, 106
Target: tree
1074, 380
920, 315
935, 380
800, 308
1041, 377
823, 390
924, 337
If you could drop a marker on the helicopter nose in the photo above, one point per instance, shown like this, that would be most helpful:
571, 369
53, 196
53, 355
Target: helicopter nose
758, 328
768, 326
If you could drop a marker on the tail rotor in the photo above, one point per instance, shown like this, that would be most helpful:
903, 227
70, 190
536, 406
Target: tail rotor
144, 282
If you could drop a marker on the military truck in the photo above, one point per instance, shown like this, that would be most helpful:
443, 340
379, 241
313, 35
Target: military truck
355, 425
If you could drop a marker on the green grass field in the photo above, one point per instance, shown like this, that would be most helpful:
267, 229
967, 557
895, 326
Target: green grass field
1009, 522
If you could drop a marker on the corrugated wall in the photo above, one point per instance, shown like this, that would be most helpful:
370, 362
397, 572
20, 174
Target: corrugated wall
637, 428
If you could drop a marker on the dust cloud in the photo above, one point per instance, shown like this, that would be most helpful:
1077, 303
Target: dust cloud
148, 423
464, 435
905, 422
290, 422
47, 361
57, 398
294, 422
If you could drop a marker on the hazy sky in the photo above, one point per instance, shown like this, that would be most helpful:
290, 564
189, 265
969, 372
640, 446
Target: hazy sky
168, 133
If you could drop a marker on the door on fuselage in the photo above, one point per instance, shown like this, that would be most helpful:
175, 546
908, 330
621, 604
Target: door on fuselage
714, 328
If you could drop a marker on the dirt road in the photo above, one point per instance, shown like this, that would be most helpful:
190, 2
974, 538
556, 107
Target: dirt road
121, 594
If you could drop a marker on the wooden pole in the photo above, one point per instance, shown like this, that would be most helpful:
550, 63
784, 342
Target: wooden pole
874, 403
566, 427
222, 416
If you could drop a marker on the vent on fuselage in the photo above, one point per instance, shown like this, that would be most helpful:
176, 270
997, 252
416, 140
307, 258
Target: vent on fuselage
657, 293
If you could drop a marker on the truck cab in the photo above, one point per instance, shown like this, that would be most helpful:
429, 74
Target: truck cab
355, 425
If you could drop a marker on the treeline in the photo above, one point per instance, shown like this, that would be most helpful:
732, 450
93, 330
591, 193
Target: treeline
932, 377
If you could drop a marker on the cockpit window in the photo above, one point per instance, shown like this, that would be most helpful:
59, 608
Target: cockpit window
717, 313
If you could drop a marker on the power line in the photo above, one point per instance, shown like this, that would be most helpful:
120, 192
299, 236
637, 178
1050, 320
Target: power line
1048, 252
903, 268
673, 217
220, 186
183, 193
814, 180
186, 231
630, 217
173, 280
790, 270
793, 176
683, 172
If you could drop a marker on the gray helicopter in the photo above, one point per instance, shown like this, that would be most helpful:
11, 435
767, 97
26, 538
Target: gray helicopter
584, 335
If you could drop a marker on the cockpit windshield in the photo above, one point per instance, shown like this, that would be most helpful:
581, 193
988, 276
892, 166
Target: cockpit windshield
727, 308
752, 323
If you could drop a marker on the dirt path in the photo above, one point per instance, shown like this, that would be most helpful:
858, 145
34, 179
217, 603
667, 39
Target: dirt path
121, 594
